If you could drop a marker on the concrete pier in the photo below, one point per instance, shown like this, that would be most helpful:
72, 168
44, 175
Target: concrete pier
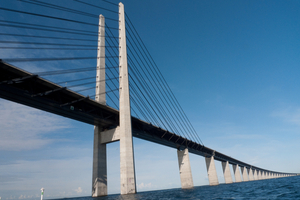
259, 175
266, 175
226, 172
244, 174
185, 169
99, 179
250, 174
99, 184
211, 171
255, 174
263, 174
127, 170
237, 174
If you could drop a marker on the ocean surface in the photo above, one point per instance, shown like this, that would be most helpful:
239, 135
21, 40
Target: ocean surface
279, 188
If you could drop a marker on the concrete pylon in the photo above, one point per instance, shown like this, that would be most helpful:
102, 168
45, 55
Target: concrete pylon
185, 169
211, 171
226, 172
244, 173
255, 174
259, 175
237, 174
263, 175
127, 170
266, 175
99, 179
250, 174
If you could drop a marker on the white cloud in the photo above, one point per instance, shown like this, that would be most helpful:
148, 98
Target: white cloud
23, 128
25, 196
78, 190
58, 177
143, 186
290, 115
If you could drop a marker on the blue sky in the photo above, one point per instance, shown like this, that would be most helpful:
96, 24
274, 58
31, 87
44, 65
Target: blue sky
234, 67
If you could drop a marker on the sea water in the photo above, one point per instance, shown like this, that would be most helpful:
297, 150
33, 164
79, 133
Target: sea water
279, 188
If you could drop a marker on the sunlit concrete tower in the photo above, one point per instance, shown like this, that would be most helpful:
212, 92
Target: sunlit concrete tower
123, 132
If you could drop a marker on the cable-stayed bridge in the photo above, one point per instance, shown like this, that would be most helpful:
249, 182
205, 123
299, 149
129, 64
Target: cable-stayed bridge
132, 98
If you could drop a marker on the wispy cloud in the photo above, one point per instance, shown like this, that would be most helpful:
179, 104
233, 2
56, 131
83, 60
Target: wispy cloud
58, 177
289, 114
78, 190
145, 186
23, 128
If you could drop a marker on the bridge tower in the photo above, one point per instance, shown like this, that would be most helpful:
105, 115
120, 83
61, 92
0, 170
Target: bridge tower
99, 184
128, 181
123, 132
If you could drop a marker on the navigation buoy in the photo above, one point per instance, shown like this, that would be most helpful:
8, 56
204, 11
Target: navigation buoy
42, 194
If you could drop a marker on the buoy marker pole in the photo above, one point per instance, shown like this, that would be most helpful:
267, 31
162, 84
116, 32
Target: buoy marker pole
42, 193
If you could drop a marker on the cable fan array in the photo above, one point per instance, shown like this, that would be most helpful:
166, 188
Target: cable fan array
63, 50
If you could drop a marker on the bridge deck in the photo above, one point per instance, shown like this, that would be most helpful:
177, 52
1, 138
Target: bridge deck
29, 89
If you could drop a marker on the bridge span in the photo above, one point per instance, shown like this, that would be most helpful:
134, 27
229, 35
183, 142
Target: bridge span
31, 90
112, 125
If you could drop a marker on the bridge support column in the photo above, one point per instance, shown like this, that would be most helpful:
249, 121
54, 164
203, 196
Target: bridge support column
255, 174
99, 182
250, 174
244, 173
263, 175
128, 181
226, 172
237, 174
185, 169
211, 171
259, 173
99, 185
